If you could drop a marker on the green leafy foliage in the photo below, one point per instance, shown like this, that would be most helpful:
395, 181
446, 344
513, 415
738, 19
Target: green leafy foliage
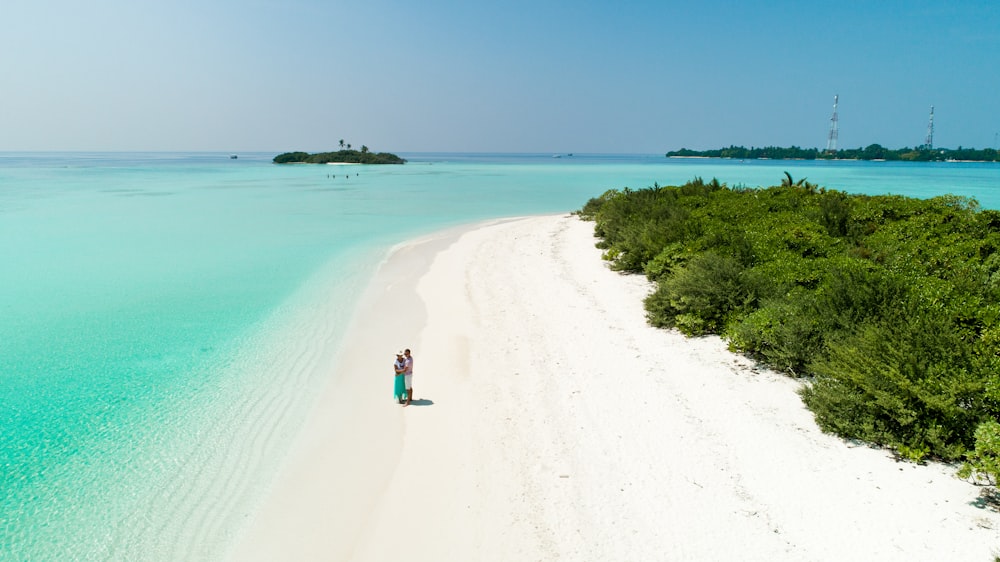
907, 382
984, 462
701, 296
888, 306
781, 333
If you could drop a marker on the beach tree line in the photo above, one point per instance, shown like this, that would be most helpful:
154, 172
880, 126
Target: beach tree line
363, 156
888, 307
870, 152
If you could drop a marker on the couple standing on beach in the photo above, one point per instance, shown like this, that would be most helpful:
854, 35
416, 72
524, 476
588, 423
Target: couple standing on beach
403, 368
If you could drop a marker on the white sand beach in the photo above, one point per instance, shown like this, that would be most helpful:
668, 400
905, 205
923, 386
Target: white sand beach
552, 423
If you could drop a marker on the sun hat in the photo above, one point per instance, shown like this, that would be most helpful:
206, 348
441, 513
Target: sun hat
399, 353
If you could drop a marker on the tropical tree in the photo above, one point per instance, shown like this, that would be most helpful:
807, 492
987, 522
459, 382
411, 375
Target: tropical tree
787, 181
341, 144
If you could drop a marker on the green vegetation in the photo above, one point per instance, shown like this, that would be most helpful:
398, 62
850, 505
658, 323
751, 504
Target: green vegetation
344, 155
887, 306
870, 152
984, 462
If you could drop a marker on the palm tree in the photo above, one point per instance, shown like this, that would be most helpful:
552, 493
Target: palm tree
342, 144
364, 149
788, 182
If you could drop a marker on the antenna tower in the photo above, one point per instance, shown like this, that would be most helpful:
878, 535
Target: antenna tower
929, 141
831, 140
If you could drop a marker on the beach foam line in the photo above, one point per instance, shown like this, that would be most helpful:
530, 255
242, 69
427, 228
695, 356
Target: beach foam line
555, 423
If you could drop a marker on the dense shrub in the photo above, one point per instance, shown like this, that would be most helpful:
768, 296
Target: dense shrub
888, 305
781, 333
699, 297
906, 382
984, 462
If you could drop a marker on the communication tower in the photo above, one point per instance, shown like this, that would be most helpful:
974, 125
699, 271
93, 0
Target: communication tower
831, 140
929, 141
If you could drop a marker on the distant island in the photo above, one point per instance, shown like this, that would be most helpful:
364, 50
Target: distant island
870, 152
346, 156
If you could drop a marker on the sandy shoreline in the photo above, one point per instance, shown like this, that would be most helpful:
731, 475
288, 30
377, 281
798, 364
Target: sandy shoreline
553, 423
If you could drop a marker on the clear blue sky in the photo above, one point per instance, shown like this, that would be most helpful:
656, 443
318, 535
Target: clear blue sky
517, 76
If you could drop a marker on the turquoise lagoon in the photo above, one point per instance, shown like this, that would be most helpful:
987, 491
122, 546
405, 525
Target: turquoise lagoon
165, 317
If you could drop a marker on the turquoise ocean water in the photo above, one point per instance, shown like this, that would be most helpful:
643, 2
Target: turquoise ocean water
160, 312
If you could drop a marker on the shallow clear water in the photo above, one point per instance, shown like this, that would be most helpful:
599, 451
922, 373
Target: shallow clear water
162, 315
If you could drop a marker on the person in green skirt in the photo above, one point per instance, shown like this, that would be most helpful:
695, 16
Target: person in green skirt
399, 390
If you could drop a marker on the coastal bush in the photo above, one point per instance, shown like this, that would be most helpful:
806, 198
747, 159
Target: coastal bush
666, 262
852, 291
593, 206
889, 306
835, 212
700, 297
782, 333
637, 225
983, 464
906, 382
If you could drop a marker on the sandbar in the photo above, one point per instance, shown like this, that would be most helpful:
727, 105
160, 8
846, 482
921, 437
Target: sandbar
552, 423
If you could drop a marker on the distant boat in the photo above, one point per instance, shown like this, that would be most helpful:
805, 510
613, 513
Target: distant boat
233, 157
557, 155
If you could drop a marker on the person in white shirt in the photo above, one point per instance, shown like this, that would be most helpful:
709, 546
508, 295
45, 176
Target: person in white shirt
408, 376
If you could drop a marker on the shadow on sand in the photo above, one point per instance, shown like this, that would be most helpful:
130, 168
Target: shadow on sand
422, 402
989, 498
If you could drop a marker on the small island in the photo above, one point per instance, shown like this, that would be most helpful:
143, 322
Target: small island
343, 156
